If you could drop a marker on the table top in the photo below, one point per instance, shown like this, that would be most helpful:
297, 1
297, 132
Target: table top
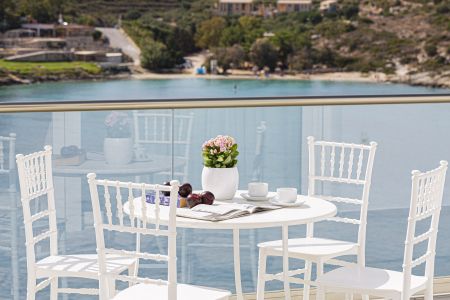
98, 165
313, 210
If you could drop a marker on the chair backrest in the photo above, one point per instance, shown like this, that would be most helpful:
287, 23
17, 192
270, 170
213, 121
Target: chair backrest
158, 128
426, 201
36, 182
7, 160
343, 163
140, 219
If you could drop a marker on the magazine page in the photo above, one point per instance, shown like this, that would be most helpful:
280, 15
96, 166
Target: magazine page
219, 212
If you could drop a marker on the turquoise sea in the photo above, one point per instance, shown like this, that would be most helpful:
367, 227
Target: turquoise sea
198, 88
409, 137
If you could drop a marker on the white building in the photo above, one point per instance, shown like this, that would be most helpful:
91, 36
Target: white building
235, 7
294, 5
328, 6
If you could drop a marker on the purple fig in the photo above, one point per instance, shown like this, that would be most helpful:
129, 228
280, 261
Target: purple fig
207, 197
185, 190
193, 200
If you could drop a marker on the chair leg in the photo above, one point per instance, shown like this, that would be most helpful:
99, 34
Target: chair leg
321, 291
54, 289
184, 250
31, 288
261, 275
133, 270
112, 287
307, 277
429, 292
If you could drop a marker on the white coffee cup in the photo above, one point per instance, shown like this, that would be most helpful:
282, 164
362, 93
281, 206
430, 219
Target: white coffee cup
258, 189
287, 195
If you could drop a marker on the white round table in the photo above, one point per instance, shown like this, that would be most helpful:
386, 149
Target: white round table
313, 210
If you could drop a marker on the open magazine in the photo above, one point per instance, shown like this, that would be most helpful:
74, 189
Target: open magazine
222, 211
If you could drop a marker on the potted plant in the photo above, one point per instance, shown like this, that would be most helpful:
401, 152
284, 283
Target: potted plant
220, 174
118, 146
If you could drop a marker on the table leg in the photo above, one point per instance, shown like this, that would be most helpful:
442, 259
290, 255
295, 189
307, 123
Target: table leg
237, 265
287, 289
184, 250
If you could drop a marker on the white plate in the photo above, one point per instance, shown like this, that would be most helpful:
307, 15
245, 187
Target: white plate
298, 202
269, 196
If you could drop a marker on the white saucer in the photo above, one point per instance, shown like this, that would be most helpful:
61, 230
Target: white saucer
298, 202
269, 196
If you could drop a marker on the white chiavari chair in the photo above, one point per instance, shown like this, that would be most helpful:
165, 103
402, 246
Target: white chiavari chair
426, 201
141, 220
154, 132
36, 185
343, 164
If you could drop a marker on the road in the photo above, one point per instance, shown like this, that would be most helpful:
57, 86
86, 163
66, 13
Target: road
119, 39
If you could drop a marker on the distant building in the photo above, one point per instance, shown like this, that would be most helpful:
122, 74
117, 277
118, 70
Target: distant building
20, 33
60, 30
235, 7
286, 6
42, 30
328, 6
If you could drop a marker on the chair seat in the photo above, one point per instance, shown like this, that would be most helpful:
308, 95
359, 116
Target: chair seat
311, 249
184, 292
371, 281
81, 265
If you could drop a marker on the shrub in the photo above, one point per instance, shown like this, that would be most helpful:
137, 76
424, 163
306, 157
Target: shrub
350, 11
301, 60
431, 50
133, 14
443, 8
97, 35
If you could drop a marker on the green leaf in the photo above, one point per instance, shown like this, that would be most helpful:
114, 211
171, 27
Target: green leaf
228, 160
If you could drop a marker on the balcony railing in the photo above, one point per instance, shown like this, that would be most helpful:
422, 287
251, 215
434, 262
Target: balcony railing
411, 131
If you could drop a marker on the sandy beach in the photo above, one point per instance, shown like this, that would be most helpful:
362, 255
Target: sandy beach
239, 74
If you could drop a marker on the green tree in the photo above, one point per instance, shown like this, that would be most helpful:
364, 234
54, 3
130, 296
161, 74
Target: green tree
209, 32
44, 11
249, 23
9, 17
230, 57
283, 40
155, 56
232, 35
252, 29
181, 41
264, 54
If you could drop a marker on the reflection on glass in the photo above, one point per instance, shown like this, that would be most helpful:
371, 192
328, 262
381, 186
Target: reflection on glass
273, 149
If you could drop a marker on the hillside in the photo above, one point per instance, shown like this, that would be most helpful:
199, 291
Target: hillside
408, 40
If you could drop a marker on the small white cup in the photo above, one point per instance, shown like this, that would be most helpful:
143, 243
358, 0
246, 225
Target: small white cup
258, 189
287, 195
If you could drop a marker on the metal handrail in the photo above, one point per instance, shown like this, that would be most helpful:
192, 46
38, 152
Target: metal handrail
221, 103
